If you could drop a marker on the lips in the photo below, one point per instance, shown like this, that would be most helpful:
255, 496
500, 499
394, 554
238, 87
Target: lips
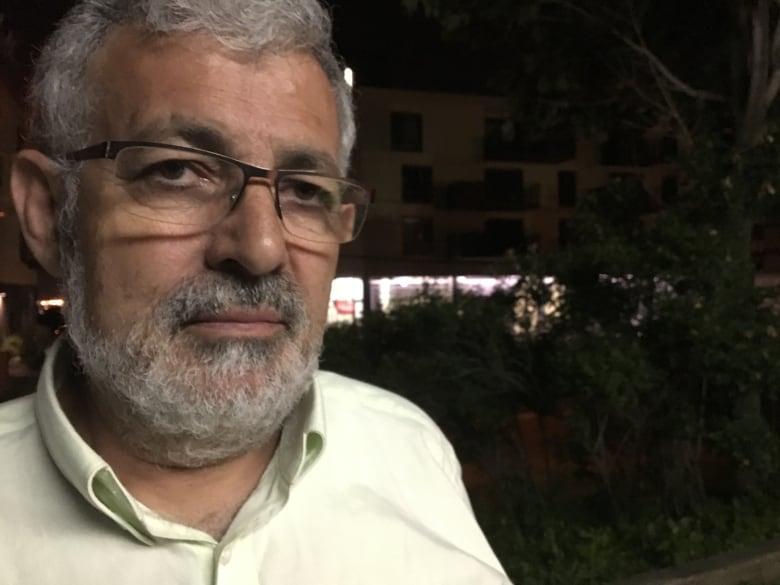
239, 323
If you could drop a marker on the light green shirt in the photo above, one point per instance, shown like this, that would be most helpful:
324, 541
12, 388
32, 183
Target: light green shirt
363, 489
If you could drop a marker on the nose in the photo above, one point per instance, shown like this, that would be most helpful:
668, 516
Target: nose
251, 235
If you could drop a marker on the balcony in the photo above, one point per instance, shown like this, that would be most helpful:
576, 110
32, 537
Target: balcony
496, 239
551, 151
505, 140
476, 196
629, 150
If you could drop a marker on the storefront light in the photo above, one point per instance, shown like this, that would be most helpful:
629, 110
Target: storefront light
46, 304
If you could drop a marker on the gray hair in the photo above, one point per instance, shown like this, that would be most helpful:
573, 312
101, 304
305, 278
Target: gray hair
62, 101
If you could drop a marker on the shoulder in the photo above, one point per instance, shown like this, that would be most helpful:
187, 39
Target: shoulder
16, 416
340, 393
382, 422
21, 446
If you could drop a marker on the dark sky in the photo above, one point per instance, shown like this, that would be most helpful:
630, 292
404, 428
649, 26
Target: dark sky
30, 21
383, 44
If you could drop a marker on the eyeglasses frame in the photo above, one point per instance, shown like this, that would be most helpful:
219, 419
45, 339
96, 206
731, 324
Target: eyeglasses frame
109, 150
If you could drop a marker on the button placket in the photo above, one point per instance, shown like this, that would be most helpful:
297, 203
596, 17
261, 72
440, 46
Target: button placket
226, 555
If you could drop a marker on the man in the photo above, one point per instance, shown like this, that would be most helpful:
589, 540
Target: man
186, 185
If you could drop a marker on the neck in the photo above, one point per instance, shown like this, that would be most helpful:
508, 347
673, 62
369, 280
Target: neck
206, 498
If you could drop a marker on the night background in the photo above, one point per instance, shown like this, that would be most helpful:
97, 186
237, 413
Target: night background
572, 266
387, 45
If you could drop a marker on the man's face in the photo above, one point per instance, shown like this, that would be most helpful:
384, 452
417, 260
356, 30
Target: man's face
206, 322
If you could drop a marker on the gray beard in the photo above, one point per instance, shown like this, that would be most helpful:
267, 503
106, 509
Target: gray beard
180, 400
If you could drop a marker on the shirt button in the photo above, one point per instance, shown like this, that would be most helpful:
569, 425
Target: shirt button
227, 553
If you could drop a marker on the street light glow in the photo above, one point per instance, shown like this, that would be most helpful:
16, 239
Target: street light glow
349, 76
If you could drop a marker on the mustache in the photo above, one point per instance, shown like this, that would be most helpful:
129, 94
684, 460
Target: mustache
209, 295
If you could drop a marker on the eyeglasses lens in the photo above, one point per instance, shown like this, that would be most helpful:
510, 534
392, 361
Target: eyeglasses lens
193, 189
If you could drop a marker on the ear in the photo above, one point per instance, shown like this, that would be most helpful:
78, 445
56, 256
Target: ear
35, 185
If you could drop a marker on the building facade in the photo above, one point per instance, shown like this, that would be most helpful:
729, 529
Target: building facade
458, 184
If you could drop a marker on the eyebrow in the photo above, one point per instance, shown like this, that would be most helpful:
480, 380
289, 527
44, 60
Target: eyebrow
206, 137
193, 133
305, 159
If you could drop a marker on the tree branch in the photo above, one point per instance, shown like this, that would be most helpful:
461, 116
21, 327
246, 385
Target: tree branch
773, 87
641, 48
776, 40
670, 104
754, 115
675, 82
774, 81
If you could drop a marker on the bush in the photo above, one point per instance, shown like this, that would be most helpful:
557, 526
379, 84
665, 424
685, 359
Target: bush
457, 360
660, 350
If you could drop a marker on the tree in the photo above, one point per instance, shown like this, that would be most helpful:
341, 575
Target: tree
707, 73
682, 65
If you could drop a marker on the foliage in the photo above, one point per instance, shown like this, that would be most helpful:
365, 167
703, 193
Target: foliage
660, 351
599, 64
12, 344
659, 340
657, 310
565, 546
457, 360
472, 371
656, 344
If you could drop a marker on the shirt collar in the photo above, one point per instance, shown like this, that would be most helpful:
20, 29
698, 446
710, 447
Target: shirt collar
303, 437
300, 446
82, 467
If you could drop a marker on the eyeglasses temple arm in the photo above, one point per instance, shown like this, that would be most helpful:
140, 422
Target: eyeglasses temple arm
101, 150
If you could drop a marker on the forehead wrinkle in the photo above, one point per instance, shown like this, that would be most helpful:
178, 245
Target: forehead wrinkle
143, 114
177, 129
305, 158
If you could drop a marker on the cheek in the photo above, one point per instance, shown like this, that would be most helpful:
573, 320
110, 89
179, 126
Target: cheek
129, 277
314, 272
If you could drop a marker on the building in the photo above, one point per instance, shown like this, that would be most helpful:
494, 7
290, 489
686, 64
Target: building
458, 185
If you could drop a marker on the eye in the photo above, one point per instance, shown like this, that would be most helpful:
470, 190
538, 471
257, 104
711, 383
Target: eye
169, 169
307, 190
160, 169
175, 173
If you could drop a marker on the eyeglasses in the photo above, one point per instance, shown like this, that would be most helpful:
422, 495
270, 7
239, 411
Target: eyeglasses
193, 187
